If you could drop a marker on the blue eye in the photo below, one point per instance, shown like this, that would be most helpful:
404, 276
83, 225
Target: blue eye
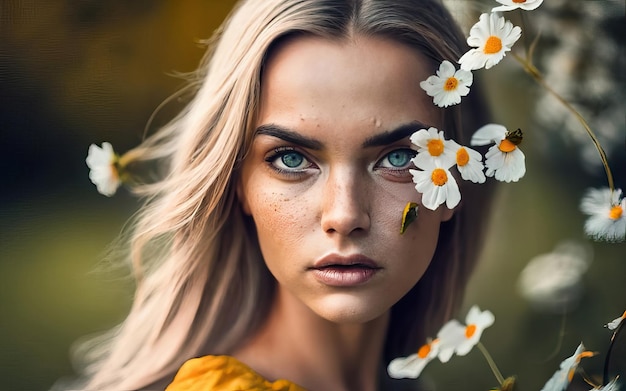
399, 158
288, 160
292, 159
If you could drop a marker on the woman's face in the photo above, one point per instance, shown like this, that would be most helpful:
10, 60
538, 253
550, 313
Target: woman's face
326, 179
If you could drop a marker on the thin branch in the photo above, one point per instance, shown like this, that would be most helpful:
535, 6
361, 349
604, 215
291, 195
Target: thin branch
492, 364
531, 70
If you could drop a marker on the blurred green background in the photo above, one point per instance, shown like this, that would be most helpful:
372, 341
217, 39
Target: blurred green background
79, 72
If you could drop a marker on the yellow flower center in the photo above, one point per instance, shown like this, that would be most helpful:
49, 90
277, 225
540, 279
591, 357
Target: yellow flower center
519, 1
470, 330
451, 84
423, 351
493, 45
616, 212
435, 147
439, 177
462, 157
506, 146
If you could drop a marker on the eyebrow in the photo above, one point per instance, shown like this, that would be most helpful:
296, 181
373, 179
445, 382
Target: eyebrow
394, 135
289, 136
381, 139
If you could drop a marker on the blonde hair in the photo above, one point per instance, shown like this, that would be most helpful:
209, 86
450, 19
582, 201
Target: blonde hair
202, 285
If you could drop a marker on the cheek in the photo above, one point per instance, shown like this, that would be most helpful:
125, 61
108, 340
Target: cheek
280, 222
415, 248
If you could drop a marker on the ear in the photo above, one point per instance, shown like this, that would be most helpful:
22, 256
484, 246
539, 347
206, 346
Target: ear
243, 201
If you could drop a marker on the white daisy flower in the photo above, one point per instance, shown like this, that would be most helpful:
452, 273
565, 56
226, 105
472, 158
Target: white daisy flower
553, 281
509, 5
449, 85
504, 160
563, 376
103, 171
413, 365
459, 339
431, 145
436, 184
607, 220
491, 38
468, 162
614, 324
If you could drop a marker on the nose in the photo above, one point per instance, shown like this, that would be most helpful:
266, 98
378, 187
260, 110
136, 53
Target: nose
345, 203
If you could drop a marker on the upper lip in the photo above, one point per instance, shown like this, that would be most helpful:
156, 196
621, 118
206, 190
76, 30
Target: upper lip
345, 260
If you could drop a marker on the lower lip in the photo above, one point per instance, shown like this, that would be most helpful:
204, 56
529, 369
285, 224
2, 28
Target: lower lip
344, 276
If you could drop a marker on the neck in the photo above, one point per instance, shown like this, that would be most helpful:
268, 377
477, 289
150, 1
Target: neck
298, 345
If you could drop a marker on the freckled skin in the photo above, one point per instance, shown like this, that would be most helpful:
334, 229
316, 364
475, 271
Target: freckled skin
340, 94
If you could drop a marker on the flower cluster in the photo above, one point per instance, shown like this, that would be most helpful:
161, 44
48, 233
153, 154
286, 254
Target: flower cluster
437, 155
456, 338
490, 39
453, 338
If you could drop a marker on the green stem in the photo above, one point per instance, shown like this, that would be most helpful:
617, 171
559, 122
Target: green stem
532, 71
559, 343
605, 378
492, 364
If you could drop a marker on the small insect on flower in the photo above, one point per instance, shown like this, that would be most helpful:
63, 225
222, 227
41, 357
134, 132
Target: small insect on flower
607, 220
104, 172
509, 5
413, 365
409, 215
504, 160
563, 376
491, 38
449, 85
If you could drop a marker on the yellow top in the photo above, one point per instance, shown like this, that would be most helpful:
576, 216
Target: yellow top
224, 373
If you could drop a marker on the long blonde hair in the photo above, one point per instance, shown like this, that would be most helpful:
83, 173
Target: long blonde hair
202, 285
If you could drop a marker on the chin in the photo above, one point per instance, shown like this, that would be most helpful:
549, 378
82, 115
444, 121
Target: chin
345, 308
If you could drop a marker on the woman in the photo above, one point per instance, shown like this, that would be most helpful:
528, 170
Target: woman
272, 240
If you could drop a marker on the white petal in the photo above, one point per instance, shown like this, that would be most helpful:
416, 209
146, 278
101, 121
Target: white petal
514, 167
446, 69
612, 325
453, 194
487, 134
450, 336
406, 367
472, 60
560, 380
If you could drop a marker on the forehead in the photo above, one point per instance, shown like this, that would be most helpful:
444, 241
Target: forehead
365, 82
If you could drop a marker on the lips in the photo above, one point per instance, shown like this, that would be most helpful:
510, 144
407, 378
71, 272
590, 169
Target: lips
356, 260
344, 271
